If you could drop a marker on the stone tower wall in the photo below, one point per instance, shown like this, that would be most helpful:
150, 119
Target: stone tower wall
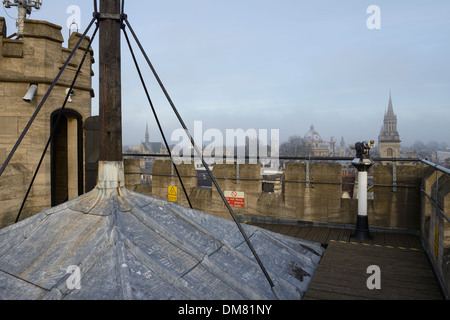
35, 59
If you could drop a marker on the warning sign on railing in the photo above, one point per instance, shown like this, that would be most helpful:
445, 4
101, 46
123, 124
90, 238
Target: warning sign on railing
236, 199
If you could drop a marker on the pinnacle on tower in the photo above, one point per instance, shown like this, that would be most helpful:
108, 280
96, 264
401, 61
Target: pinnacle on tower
390, 107
147, 135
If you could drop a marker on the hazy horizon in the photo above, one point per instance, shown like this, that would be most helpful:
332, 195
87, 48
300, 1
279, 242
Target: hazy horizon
282, 65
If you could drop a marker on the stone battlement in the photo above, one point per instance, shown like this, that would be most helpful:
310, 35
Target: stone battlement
36, 59
39, 54
320, 197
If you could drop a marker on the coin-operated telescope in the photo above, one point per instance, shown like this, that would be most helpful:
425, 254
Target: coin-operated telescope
362, 163
362, 160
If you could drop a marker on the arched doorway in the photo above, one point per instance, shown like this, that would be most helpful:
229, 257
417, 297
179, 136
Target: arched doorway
66, 156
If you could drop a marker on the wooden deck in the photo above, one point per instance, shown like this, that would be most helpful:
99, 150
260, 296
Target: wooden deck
324, 235
405, 273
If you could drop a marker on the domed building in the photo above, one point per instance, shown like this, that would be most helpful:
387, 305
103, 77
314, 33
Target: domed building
315, 143
312, 136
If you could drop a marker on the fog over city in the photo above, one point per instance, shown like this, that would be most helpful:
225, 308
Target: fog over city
282, 65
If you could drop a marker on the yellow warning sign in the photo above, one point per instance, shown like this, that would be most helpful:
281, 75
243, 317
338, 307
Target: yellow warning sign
172, 194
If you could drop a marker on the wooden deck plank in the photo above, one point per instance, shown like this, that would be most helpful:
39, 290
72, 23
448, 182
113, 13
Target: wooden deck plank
328, 293
280, 229
334, 234
405, 274
300, 232
314, 234
303, 233
342, 273
414, 241
403, 241
345, 234
325, 234
291, 231
390, 279
378, 238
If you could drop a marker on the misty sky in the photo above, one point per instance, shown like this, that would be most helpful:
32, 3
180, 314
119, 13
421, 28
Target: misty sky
284, 64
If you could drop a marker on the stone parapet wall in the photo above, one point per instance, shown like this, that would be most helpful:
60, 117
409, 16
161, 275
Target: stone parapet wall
320, 202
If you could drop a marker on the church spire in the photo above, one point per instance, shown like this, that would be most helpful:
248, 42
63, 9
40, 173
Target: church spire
389, 139
390, 107
147, 135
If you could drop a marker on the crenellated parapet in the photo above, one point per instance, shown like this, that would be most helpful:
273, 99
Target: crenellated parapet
33, 60
38, 56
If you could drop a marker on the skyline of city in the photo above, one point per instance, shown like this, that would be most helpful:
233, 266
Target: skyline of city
283, 65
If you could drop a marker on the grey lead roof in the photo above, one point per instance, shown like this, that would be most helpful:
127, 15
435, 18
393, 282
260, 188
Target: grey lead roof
131, 246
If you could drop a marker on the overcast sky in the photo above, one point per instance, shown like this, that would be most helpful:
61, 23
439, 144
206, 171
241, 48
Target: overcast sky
284, 64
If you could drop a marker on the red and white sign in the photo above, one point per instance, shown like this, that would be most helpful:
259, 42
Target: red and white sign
235, 199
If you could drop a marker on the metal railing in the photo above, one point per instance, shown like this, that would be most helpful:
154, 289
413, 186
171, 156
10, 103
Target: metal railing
306, 159
442, 275
435, 202
308, 182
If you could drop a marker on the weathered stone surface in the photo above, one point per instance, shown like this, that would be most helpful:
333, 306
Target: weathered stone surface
35, 59
42, 30
12, 48
320, 202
